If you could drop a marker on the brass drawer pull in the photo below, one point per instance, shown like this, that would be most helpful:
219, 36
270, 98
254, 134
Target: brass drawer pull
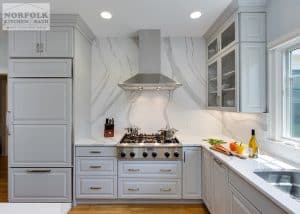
166, 170
95, 167
38, 170
95, 152
95, 188
165, 189
133, 170
134, 189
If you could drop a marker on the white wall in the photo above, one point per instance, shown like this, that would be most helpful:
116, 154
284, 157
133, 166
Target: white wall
184, 59
282, 18
3, 51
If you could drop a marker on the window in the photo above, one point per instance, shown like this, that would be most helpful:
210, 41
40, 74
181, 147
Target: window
291, 105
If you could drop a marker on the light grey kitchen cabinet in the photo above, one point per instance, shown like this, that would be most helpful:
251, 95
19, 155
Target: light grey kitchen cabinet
40, 185
240, 205
239, 63
252, 77
213, 96
220, 188
96, 165
58, 42
40, 100
24, 43
95, 173
252, 200
48, 68
252, 27
207, 179
150, 179
149, 188
40, 145
191, 179
146, 169
95, 187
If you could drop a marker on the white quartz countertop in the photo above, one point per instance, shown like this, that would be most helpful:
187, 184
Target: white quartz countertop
244, 168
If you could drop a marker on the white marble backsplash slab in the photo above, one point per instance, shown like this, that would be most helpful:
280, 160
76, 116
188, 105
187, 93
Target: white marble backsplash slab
183, 59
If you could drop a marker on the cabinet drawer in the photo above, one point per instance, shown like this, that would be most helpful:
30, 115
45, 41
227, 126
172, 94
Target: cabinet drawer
96, 151
40, 185
96, 187
149, 188
168, 169
40, 68
96, 166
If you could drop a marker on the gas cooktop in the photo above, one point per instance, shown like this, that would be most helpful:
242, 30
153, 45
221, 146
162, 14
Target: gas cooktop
148, 147
148, 140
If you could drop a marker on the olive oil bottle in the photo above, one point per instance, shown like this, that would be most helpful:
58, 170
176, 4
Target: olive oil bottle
253, 146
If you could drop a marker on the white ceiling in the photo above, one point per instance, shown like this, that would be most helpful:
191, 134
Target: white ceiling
171, 16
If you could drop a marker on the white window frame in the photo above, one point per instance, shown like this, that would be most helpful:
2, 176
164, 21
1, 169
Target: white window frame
278, 88
286, 129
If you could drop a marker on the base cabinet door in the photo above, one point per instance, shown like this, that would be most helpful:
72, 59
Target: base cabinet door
220, 194
192, 173
206, 179
40, 185
240, 205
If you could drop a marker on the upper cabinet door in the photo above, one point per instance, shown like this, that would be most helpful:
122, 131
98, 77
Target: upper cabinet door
228, 35
253, 77
229, 79
24, 44
212, 48
58, 42
252, 27
213, 85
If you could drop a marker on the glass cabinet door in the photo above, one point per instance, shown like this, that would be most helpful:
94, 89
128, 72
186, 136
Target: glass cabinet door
212, 48
228, 75
213, 85
228, 35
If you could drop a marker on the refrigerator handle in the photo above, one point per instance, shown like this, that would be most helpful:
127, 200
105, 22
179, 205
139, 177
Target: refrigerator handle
8, 122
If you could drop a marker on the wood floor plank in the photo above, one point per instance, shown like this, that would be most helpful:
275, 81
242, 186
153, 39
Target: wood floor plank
139, 209
3, 179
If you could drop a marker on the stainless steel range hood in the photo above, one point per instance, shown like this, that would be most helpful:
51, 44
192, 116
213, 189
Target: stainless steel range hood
149, 76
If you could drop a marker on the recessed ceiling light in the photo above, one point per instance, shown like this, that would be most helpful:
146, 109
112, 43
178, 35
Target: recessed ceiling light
105, 15
195, 15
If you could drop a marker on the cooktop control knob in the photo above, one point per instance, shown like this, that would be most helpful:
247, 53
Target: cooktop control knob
145, 154
123, 154
132, 154
154, 154
176, 154
167, 154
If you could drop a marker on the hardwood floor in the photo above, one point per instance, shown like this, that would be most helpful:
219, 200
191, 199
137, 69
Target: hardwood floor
139, 209
3, 179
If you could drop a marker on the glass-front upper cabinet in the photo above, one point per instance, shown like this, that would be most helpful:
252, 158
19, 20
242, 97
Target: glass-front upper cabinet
228, 35
228, 78
213, 98
212, 48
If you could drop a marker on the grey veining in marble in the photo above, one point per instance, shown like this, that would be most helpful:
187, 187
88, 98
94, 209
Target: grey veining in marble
116, 59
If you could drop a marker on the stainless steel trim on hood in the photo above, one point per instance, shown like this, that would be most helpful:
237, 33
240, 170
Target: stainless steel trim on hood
149, 76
